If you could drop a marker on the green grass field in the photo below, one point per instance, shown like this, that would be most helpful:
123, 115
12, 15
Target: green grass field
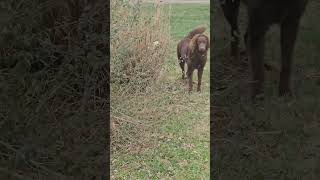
280, 137
175, 145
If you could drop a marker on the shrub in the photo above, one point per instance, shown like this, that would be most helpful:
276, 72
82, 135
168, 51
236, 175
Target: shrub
139, 46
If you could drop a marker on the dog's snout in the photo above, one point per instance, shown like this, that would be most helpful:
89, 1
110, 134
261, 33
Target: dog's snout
202, 47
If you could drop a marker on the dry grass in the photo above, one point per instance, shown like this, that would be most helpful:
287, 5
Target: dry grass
139, 46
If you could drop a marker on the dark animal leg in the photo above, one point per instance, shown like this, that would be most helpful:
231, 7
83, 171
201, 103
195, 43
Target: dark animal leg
231, 11
256, 33
245, 38
244, 52
200, 72
181, 62
289, 31
182, 68
189, 75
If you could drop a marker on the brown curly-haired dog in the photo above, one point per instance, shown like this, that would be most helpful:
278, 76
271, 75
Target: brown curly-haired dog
198, 48
183, 47
192, 50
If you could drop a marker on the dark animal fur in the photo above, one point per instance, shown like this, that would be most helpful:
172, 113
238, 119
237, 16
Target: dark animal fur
183, 47
193, 51
262, 14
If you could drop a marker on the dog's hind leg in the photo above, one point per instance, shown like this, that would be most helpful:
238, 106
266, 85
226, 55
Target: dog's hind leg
189, 76
231, 11
181, 63
245, 38
289, 31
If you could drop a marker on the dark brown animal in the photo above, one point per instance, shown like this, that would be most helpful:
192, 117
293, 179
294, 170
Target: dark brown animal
192, 50
183, 47
261, 15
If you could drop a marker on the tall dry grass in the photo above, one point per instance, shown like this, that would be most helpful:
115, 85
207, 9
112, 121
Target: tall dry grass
139, 45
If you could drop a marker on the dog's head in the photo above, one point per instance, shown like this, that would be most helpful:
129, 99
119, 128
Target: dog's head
200, 43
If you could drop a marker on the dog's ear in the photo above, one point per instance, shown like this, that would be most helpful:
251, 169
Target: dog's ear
193, 43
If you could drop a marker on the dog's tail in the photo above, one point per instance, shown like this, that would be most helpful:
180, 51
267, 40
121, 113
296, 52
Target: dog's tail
197, 30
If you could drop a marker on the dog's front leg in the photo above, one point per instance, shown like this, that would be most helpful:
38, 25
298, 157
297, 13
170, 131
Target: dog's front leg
289, 31
200, 72
256, 38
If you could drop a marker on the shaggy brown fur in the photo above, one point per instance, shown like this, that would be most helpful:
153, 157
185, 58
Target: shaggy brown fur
193, 51
182, 53
183, 47
198, 48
